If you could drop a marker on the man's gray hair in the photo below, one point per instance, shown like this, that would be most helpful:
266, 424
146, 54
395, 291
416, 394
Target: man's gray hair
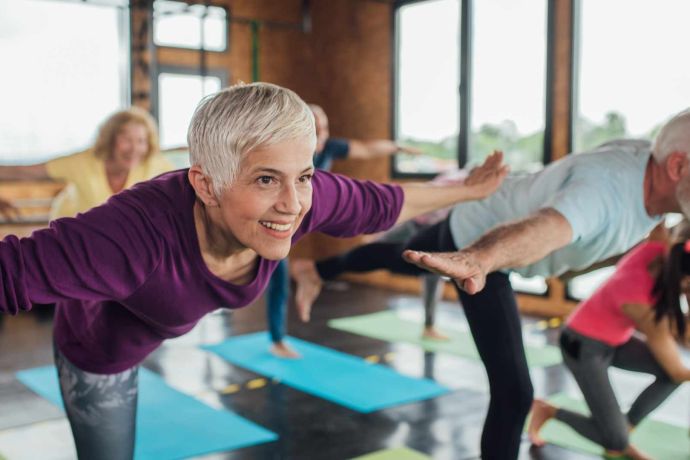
231, 123
674, 136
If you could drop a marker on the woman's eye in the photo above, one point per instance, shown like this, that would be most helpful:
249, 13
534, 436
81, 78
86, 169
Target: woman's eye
265, 180
306, 178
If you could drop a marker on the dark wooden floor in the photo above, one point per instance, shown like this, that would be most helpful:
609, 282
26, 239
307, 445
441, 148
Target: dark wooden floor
447, 427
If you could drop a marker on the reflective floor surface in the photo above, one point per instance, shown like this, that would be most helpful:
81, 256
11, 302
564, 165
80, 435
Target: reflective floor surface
447, 427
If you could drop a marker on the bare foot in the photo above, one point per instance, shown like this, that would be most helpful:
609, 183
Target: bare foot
303, 271
632, 453
431, 333
283, 350
541, 413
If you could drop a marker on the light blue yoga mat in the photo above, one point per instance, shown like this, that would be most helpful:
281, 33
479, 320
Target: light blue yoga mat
329, 374
170, 424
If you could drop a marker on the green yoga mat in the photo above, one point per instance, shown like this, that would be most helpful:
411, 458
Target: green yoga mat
657, 439
401, 453
388, 326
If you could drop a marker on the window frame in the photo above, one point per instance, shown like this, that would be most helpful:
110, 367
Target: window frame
201, 48
465, 84
221, 73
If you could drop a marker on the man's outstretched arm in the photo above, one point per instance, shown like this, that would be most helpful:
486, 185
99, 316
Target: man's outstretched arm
509, 245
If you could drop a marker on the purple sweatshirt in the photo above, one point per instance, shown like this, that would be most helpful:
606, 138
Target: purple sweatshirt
129, 274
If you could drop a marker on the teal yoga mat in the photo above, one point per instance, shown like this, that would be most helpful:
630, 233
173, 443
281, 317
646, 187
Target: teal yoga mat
170, 424
387, 325
657, 439
328, 374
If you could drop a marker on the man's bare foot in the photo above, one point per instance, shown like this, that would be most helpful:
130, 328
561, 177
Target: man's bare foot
431, 333
283, 350
308, 282
541, 413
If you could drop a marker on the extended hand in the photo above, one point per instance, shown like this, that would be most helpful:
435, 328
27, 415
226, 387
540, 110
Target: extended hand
485, 179
461, 267
8, 210
408, 149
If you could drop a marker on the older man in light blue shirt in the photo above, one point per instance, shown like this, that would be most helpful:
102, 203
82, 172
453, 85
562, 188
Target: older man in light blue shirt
575, 212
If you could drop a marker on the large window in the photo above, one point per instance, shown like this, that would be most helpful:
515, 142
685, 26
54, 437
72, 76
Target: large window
493, 70
64, 70
471, 78
179, 92
632, 75
633, 68
178, 24
427, 103
508, 81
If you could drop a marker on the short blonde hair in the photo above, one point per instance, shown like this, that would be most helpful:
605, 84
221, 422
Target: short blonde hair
674, 136
111, 127
231, 123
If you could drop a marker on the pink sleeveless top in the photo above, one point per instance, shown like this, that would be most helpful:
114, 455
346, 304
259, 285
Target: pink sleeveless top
601, 317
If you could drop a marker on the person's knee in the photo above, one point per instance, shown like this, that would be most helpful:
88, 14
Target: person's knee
516, 396
524, 397
615, 439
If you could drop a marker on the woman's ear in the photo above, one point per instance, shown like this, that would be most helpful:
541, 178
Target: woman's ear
203, 186
677, 166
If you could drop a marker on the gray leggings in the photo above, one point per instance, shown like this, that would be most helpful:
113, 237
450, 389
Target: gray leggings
589, 359
101, 410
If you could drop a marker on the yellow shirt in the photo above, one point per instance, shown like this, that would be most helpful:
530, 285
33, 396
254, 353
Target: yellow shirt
87, 183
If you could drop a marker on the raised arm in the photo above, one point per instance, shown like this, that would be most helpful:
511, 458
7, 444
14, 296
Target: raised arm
421, 198
28, 172
103, 254
509, 245
377, 148
660, 340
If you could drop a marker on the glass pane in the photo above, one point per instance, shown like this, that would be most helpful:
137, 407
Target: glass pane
427, 103
58, 81
178, 96
509, 81
180, 25
534, 285
633, 73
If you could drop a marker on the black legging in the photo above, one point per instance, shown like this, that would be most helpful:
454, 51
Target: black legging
493, 317
382, 255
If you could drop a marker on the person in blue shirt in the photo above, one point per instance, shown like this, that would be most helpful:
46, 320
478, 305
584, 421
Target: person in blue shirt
327, 150
577, 211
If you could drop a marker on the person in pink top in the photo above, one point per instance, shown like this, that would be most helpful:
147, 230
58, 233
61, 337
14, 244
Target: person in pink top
642, 295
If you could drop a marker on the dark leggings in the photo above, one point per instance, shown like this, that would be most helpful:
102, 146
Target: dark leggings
382, 255
589, 361
101, 410
493, 317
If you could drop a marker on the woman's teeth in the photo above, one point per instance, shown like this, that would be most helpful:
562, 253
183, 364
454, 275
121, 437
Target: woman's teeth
276, 227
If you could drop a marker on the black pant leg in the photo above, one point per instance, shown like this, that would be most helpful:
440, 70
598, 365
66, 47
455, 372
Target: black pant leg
382, 255
494, 320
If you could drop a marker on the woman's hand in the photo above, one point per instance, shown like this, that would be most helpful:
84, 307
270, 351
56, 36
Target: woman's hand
485, 179
8, 210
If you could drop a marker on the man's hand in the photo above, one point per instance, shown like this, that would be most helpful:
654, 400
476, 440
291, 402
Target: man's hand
463, 267
485, 179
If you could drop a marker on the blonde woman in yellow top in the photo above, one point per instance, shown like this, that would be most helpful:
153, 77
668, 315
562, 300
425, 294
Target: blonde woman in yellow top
126, 151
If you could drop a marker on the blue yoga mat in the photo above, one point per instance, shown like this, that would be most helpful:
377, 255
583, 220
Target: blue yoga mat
170, 424
329, 374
